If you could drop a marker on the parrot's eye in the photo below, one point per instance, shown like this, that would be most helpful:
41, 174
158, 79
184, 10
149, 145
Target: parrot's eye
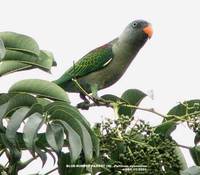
134, 24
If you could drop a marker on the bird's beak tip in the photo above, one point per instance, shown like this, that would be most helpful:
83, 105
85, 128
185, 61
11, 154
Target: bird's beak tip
148, 30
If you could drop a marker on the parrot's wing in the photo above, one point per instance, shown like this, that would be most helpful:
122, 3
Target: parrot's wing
91, 62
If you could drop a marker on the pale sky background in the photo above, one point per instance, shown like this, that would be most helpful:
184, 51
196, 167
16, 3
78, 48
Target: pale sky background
168, 64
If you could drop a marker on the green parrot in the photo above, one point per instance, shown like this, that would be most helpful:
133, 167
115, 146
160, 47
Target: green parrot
105, 65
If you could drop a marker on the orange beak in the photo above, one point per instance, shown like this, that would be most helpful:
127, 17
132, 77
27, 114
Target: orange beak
148, 30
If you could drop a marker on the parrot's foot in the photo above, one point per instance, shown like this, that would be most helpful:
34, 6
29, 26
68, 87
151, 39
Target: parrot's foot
83, 97
83, 105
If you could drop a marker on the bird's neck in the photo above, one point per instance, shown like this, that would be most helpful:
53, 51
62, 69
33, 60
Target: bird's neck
125, 52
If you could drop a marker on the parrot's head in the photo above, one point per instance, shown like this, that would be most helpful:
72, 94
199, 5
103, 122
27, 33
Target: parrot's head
137, 33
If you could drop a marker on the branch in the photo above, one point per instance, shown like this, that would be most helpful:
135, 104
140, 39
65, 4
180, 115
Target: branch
106, 103
183, 146
152, 110
51, 171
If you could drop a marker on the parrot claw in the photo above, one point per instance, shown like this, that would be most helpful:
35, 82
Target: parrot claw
83, 105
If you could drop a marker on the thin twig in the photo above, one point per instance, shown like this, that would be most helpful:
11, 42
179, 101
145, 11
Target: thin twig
109, 104
183, 146
152, 110
51, 171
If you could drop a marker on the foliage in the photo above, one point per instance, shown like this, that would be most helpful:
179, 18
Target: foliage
136, 144
36, 116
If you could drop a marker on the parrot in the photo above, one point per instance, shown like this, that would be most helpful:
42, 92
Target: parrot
105, 65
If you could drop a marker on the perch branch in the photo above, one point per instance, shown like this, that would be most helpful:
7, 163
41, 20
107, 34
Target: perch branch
106, 103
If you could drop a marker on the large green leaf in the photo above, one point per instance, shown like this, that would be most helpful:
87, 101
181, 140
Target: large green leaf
20, 56
44, 60
17, 118
19, 42
75, 145
18, 101
132, 97
31, 128
11, 66
76, 125
58, 105
55, 136
15, 102
185, 109
166, 128
20, 52
14, 123
40, 87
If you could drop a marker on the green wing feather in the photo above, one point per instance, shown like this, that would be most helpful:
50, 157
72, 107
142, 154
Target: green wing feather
91, 62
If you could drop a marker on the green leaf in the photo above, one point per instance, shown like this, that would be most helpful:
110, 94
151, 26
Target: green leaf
39, 87
14, 153
112, 98
55, 136
194, 170
23, 57
11, 66
2, 49
17, 118
166, 128
63, 160
18, 61
58, 105
42, 155
195, 153
191, 107
4, 98
14, 123
20, 52
36, 107
18, 101
181, 158
132, 97
42, 101
75, 145
19, 42
79, 128
46, 59
31, 128
3, 109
